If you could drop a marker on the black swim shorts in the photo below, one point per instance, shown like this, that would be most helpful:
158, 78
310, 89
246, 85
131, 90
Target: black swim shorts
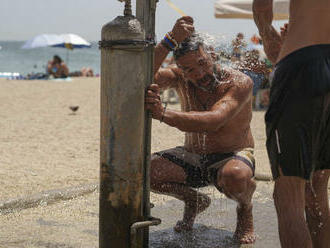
202, 169
298, 118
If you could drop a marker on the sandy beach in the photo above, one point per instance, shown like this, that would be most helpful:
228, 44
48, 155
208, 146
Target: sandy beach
44, 146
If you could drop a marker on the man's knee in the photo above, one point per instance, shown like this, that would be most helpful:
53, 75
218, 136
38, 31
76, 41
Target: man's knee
157, 175
283, 205
234, 180
316, 198
289, 196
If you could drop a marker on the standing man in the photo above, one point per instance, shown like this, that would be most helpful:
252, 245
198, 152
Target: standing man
238, 45
216, 114
298, 120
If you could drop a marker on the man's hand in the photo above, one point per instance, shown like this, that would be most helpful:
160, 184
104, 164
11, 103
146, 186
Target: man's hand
262, 5
153, 102
183, 28
284, 31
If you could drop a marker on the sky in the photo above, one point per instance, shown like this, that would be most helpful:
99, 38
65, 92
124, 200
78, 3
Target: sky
23, 19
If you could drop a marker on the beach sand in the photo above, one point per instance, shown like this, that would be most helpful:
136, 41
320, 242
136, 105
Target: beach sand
44, 146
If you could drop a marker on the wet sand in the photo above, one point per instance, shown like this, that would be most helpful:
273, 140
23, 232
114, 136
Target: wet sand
74, 224
44, 146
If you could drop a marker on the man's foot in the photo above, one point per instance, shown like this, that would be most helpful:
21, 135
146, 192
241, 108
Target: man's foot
191, 209
182, 226
244, 230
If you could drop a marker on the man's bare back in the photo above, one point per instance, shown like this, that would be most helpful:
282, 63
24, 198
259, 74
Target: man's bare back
308, 25
305, 15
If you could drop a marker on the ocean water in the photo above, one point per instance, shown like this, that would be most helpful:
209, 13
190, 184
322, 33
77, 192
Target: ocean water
24, 61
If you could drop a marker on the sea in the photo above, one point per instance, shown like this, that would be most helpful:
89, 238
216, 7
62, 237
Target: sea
14, 59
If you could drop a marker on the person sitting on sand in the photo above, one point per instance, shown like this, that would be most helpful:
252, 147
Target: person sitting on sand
57, 68
216, 113
84, 72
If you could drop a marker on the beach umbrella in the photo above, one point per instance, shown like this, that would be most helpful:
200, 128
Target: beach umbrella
71, 41
242, 9
68, 41
42, 40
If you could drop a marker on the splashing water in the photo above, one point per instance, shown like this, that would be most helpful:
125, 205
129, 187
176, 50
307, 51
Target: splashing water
204, 143
217, 41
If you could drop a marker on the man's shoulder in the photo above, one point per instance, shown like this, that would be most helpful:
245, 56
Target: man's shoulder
234, 80
232, 76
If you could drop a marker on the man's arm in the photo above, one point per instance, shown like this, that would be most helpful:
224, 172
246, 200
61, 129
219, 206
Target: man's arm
263, 17
182, 29
161, 53
167, 77
207, 121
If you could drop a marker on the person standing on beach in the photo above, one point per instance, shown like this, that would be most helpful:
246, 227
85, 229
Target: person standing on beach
256, 69
298, 120
238, 45
216, 112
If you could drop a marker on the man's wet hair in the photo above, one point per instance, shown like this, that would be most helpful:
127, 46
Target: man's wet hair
190, 44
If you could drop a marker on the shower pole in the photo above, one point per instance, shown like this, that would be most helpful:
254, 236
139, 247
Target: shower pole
127, 47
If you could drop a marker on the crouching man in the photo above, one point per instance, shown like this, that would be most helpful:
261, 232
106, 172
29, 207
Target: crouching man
216, 114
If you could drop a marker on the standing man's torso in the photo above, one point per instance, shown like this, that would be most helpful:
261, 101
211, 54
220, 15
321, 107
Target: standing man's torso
309, 24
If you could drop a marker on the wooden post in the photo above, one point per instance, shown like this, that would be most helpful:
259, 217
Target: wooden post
126, 70
122, 133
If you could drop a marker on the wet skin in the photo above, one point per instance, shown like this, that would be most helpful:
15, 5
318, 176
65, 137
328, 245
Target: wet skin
294, 198
216, 114
308, 25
